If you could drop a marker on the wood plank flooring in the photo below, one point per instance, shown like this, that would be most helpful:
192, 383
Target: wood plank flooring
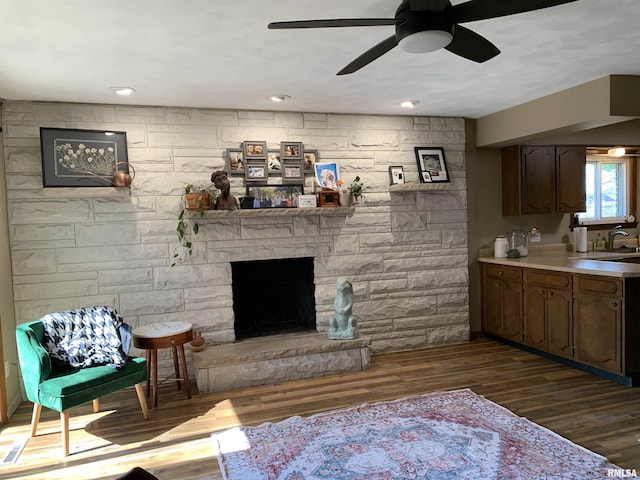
174, 444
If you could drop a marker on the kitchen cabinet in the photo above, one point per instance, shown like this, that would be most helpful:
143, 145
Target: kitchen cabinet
548, 311
540, 179
598, 322
502, 301
592, 320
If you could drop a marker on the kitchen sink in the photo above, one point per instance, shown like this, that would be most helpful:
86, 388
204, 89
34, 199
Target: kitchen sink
624, 249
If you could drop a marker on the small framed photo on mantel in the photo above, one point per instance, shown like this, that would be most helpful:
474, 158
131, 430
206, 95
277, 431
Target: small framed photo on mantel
432, 166
396, 175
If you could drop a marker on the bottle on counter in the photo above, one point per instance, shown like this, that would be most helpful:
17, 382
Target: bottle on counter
598, 243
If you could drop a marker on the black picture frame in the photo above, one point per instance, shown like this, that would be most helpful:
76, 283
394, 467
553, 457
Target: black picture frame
235, 161
432, 166
263, 195
82, 158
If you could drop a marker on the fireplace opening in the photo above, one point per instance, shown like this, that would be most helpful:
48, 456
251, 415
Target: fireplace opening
273, 296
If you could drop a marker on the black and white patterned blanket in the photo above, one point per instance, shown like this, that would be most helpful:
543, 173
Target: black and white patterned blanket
87, 336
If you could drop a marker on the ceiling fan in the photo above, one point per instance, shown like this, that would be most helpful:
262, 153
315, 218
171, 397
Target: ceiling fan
428, 25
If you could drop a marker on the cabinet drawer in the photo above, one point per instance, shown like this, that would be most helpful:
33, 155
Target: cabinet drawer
545, 278
504, 272
602, 286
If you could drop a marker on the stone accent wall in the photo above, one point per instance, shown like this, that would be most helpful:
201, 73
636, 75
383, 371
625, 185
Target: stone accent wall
405, 252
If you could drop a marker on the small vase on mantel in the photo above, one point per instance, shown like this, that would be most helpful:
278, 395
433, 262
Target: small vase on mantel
346, 200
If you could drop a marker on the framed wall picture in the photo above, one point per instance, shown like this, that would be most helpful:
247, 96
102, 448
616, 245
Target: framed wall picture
290, 150
396, 175
310, 158
82, 158
255, 170
235, 161
273, 162
275, 196
254, 149
292, 171
432, 166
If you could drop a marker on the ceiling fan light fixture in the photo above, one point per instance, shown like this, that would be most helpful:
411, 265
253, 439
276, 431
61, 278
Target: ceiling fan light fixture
425, 41
279, 98
617, 152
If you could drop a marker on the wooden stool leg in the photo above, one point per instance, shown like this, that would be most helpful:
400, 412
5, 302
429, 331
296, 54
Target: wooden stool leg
183, 359
176, 367
154, 372
147, 354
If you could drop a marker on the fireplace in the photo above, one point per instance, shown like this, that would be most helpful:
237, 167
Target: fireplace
273, 296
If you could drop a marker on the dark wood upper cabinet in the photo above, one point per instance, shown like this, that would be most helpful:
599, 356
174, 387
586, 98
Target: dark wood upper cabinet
539, 179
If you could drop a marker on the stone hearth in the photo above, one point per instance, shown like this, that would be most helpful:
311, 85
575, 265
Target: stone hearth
276, 359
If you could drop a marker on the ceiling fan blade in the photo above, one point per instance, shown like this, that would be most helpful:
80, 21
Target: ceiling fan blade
431, 5
370, 55
336, 22
471, 46
482, 9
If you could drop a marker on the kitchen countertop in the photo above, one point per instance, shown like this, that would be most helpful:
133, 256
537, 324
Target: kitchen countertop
559, 258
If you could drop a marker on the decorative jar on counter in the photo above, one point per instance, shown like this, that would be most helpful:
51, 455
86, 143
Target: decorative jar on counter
500, 247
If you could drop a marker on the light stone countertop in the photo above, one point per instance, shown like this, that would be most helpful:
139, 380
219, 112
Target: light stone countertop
560, 258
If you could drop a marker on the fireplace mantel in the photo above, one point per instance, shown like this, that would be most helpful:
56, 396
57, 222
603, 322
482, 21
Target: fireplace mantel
275, 212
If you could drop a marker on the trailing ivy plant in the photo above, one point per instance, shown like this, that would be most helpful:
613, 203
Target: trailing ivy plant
185, 244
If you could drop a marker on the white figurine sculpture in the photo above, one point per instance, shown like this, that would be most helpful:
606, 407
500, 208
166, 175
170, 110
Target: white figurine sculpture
343, 325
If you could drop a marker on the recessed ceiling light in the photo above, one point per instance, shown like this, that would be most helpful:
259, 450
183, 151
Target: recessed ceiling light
279, 98
123, 91
409, 103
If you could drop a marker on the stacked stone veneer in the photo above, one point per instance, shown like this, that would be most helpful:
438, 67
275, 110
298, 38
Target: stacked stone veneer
405, 252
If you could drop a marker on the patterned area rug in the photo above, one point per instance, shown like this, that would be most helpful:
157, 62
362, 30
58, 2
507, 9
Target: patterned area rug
454, 435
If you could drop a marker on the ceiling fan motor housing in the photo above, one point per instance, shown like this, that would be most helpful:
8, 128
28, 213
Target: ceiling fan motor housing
409, 22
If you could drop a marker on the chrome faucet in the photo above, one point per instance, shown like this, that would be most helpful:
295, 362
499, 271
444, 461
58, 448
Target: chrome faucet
615, 232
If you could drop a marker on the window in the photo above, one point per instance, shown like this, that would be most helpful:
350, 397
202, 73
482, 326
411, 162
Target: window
608, 189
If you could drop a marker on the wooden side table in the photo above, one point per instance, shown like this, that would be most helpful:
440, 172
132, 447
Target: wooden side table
164, 335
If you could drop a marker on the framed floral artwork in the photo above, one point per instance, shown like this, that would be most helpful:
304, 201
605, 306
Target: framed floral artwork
82, 158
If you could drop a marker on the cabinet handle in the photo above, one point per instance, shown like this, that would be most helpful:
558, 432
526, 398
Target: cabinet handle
500, 272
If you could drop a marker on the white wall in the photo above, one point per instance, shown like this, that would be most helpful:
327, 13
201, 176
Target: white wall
405, 253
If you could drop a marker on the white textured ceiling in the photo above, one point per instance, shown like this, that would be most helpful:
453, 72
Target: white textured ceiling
219, 54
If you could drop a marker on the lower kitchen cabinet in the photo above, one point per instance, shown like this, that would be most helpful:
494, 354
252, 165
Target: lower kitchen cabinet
548, 311
502, 301
598, 322
591, 320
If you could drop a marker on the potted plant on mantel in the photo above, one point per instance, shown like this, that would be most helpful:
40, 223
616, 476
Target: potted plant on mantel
197, 199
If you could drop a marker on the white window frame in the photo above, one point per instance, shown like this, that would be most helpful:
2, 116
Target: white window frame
629, 209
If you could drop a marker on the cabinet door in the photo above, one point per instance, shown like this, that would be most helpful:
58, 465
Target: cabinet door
492, 306
512, 311
560, 323
535, 317
598, 336
538, 179
570, 178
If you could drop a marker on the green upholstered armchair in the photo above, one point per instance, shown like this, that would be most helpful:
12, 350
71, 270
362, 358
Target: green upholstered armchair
58, 387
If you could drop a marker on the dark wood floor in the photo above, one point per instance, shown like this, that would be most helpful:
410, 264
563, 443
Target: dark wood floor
175, 443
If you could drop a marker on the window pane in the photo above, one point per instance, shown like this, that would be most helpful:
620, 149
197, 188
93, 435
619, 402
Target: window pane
591, 171
612, 196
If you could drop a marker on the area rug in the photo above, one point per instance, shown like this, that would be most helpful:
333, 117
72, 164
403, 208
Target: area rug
455, 435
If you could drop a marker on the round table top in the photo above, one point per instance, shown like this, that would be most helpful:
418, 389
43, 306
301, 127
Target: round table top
163, 329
